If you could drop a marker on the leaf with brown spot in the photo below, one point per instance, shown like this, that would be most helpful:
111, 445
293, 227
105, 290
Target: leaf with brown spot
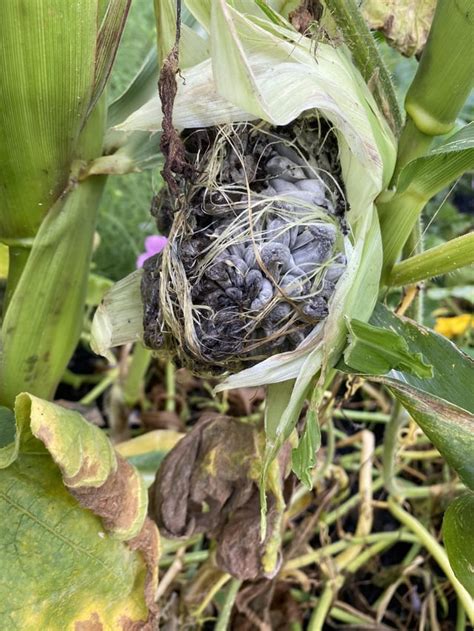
75, 540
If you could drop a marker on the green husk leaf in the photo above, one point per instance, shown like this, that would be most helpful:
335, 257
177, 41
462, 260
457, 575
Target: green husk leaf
376, 351
458, 536
69, 504
119, 317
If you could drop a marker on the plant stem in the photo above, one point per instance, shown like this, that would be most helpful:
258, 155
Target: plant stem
390, 445
436, 551
320, 612
134, 380
360, 415
218, 585
231, 594
441, 259
101, 387
367, 58
412, 144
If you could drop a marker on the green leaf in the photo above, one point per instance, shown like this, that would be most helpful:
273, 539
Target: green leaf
375, 351
458, 535
426, 176
74, 537
303, 458
108, 38
443, 405
48, 301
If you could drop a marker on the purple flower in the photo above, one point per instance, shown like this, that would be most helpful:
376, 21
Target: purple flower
153, 245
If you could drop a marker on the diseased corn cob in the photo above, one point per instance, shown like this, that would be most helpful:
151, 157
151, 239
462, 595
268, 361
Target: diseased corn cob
256, 249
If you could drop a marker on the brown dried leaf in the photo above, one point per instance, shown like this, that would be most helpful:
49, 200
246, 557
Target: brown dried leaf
208, 484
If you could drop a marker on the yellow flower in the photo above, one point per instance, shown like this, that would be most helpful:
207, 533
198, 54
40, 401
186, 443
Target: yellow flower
457, 325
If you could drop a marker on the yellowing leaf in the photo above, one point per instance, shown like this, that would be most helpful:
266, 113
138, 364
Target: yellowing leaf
68, 504
404, 23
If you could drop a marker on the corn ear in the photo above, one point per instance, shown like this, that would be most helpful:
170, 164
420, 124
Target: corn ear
278, 78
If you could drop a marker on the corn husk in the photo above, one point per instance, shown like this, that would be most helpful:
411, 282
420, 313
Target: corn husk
262, 69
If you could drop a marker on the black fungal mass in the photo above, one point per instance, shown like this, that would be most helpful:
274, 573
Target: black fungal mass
255, 246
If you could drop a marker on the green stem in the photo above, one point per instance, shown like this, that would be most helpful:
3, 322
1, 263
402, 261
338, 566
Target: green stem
321, 611
446, 69
390, 446
360, 415
134, 380
361, 43
230, 596
433, 262
101, 387
436, 551
412, 144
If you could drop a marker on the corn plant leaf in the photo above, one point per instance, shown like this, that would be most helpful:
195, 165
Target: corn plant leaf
430, 174
75, 539
54, 61
52, 291
443, 405
303, 458
108, 39
141, 88
192, 47
376, 351
458, 536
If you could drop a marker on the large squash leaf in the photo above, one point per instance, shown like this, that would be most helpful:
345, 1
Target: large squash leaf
77, 550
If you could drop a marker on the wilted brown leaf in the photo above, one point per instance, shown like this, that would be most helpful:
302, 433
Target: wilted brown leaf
208, 484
